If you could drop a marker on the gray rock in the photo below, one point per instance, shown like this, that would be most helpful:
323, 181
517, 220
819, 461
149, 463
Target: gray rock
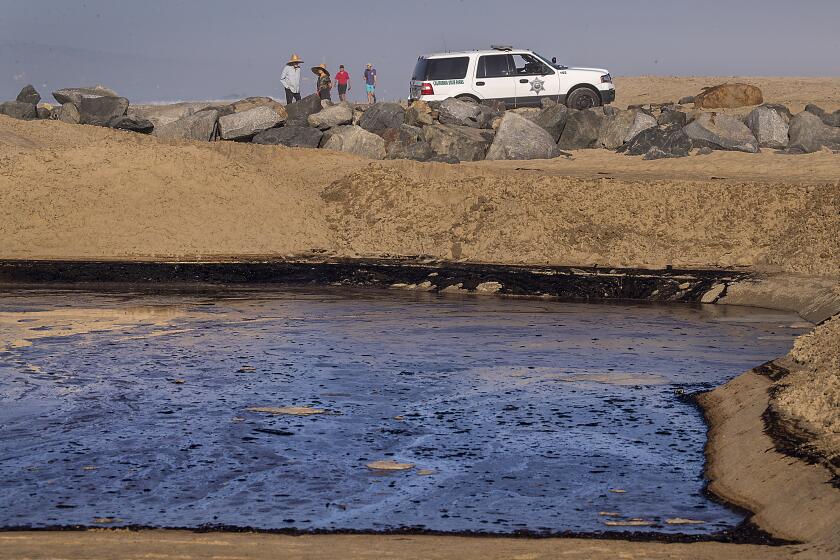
200, 126
519, 138
461, 142
161, 115
75, 95
769, 126
582, 130
44, 113
668, 141
721, 132
100, 111
831, 119
356, 140
68, 113
527, 112
382, 116
244, 125
460, 113
704, 151
614, 129
496, 106
18, 110
418, 151
641, 121
298, 113
133, 123
419, 114
29, 95
553, 119
291, 136
672, 116
808, 133
398, 139
686, 100
336, 115
414, 131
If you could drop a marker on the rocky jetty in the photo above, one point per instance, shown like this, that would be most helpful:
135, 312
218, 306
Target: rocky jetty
455, 130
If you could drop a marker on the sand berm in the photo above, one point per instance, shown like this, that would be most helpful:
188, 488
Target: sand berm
79, 192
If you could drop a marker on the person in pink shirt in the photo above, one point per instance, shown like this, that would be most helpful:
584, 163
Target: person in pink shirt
342, 78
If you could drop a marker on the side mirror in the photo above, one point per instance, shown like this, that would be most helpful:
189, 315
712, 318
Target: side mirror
554, 60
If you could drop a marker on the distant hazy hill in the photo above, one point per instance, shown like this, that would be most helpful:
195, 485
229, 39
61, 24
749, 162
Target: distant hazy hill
138, 77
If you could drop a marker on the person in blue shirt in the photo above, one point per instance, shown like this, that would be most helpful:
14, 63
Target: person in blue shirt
370, 83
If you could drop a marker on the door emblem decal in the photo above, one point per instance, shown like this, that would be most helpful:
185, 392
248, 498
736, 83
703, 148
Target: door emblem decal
537, 85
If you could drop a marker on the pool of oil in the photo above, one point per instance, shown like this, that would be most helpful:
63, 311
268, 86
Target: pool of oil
170, 410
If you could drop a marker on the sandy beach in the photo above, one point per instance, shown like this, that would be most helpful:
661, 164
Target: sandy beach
75, 192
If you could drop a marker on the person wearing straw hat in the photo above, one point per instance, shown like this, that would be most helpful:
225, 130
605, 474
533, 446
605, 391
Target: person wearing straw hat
290, 78
324, 81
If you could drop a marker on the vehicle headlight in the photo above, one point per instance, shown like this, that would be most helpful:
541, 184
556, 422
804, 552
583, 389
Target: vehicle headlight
606, 79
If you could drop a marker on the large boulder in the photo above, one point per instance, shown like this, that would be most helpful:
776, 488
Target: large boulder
463, 143
417, 151
468, 113
729, 96
161, 115
582, 130
244, 125
419, 114
335, 115
291, 136
199, 126
659, 142
355, 140
614, 129
721, 132
521, 138
100, 111
68, 113
29, 95
641, 121
253, 102
381, 116
831, 119
18, 110
770, 124
298, 112
552, 119
460, 113
133, 123
75, 95
671, 115
808, 133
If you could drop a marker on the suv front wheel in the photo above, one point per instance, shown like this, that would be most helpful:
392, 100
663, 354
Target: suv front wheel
583, 98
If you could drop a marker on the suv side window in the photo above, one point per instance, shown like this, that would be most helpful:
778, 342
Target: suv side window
494, 66
529, 65
447, 68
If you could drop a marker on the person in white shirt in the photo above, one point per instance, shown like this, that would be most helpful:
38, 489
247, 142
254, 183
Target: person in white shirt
290, 78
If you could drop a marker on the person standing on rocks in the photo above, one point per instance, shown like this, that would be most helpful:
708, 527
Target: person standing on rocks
342, 78
370, 83
290, 78
324, 81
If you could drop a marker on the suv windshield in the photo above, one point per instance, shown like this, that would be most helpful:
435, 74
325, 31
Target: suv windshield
441, 68
547, 60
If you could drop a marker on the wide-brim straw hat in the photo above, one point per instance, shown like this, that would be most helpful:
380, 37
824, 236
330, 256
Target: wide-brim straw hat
295, 60
316, 69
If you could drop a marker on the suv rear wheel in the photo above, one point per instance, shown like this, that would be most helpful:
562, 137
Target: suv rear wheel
583, 98
467, 97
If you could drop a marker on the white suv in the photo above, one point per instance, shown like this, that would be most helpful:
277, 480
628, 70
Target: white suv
518, 77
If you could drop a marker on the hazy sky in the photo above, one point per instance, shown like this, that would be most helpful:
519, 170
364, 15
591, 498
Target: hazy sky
212, 49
